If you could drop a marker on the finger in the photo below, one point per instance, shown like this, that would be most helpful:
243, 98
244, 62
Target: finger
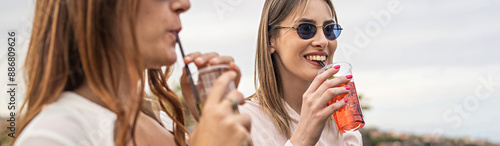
234, 67
319, 79
242, 136
335, 82
219, 88
184, 80
334, 107
231, 102
221, 60
249, 141
245, 121
202, 61
190, 57
236, 96
331, 93
187, 93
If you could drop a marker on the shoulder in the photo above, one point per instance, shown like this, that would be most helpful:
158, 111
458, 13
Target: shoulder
250, 104
264, 131
252, 108
69, 121
52, 128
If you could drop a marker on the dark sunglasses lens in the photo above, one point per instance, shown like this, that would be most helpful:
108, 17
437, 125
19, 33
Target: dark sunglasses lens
306, 30
332, 31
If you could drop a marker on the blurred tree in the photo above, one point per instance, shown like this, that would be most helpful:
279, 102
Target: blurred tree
364, 103
190, 121
4, 139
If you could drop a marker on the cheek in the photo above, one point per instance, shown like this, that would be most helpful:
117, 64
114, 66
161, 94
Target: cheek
332, 47
145, 37
150, 26
291, 44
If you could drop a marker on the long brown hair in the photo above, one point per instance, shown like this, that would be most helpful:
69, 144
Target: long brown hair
267, 82
92, 41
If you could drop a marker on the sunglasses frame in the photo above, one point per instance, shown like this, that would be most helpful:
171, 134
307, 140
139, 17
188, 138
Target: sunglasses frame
322, 26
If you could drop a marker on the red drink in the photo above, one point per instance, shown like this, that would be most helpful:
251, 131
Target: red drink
348, 118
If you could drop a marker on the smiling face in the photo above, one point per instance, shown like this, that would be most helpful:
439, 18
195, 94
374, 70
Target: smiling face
157, 24
294, 55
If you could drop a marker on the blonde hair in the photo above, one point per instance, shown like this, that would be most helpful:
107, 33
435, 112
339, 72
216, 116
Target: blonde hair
267, 82
87, 41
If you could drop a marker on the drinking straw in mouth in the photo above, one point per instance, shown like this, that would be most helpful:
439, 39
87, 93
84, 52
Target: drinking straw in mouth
190, 78
320, 62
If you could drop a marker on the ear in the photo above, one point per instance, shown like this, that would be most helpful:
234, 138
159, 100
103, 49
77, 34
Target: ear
271, 47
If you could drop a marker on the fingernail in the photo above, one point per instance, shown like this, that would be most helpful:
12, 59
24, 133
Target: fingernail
215, 60
188, 58
336, 66
347, 87
199, 59
348, 76
345, 99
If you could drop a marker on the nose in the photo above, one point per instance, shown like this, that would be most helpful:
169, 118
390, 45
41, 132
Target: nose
319, 39
180, 6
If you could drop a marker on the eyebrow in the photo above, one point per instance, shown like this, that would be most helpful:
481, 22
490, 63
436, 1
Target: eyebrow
314, 21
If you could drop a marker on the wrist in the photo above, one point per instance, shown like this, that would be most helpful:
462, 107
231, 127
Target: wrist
303, 136
297, 141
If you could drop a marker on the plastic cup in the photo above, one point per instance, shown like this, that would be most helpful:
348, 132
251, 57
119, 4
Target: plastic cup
348, 118
205, 78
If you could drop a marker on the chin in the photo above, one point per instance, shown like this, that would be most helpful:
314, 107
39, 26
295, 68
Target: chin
158, 62
169, 60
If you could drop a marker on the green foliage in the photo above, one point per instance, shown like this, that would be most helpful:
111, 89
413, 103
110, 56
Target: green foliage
4, 139
189, 121
364, 106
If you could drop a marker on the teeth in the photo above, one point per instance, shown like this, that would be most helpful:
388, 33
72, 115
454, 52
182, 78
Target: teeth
316, 57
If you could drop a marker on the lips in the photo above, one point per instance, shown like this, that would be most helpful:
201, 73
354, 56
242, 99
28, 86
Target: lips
173, 34
174, 31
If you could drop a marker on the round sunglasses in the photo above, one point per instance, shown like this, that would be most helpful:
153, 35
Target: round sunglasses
308, 30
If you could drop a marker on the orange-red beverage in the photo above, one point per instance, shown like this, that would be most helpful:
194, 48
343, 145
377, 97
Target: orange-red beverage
348, 118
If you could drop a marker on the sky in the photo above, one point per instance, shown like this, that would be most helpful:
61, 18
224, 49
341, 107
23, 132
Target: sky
424, 67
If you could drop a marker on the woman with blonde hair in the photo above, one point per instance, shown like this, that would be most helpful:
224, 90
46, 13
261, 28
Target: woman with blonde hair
87, 67
290, 103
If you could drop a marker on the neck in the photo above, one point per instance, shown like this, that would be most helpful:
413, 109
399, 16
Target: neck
125, 92
293, 89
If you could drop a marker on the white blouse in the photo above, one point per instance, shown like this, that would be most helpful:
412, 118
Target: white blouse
265, 133
71, 120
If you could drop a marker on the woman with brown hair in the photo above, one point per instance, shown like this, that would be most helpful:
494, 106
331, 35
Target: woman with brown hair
290, 102
87, 67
